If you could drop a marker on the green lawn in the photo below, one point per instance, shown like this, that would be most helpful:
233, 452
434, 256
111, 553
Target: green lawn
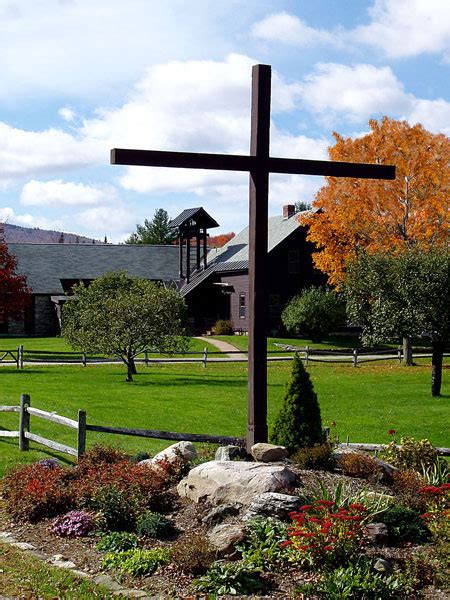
365, 402
58, 344
241, 342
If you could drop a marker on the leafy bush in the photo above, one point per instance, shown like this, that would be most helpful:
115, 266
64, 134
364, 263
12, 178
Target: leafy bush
298, 423
411, 454
136, 458
193, 556
315, 312
356, 464
49, 463
76, 523
406, 486
261, 546
222, 327
136, 561
322, 534
404, 525
116, 508
117, 541
357, 581
154, 525
437, 499
234, 578
34, 492
318, 457
100, 455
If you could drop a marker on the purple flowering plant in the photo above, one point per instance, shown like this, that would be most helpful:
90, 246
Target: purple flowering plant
76, 523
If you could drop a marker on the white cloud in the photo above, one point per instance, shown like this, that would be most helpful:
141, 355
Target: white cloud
359, 92
289, 29
404, 28
59, 193
117, 219
67, 114
8, 215
25, 153
399, 28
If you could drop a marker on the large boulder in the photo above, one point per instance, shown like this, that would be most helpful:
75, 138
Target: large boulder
223, 538
228, 482
178, 453
274, 505
268, 452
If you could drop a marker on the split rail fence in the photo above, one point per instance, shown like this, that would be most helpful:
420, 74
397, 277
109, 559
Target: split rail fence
354, 356
24, 434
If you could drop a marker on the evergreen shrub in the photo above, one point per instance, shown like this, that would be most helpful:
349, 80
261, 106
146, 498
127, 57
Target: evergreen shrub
298, 423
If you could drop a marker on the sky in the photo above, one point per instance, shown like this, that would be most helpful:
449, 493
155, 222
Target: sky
79, 77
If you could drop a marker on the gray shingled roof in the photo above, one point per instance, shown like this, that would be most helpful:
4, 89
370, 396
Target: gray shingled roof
234, 255
46, 264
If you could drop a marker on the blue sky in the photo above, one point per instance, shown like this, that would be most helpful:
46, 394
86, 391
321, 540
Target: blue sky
78, 77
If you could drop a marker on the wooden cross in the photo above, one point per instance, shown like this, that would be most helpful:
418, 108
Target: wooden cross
259, 164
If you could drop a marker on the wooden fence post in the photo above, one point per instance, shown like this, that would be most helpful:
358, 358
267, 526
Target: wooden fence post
146, 357
81, 437
205, 356
326, 434
306, 355
399, 354
83, 358
24, 422
20, 357
355, 357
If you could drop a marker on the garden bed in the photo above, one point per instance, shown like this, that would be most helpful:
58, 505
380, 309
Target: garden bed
278, 576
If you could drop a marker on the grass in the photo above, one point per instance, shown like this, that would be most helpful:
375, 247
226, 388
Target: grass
59, 344
22, 576
365, 402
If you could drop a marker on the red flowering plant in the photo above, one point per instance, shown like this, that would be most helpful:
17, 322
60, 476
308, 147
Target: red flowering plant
437, 516
322, 534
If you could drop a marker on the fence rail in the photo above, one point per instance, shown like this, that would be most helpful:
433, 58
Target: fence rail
285, 352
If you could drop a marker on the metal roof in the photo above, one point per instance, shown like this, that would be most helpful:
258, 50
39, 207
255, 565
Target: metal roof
199, 214
44, 265
226, 267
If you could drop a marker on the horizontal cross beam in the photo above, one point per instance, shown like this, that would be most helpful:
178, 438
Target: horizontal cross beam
236, 162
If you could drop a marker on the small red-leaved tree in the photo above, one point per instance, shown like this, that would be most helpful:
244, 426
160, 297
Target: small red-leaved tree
14, 292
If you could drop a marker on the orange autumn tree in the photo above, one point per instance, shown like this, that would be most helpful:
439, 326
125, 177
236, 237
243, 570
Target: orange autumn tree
355, 214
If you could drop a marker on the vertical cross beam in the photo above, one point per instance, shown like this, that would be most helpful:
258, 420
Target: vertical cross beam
259, 190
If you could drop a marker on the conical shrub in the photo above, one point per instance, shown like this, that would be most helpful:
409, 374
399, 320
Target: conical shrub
298, 423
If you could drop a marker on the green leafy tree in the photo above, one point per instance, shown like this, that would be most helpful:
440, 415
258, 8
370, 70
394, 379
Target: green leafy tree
298, 423
403, 295
121, 315
155, 232
315, 313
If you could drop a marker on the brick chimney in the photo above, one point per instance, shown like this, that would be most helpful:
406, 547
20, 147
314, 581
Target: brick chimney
288, 211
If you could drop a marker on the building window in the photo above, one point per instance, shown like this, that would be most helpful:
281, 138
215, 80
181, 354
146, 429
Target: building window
242, 306
294, 262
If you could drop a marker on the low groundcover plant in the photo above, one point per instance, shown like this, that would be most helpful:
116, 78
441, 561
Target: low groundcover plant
76, 523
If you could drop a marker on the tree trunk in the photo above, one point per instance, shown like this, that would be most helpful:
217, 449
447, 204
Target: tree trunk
407, 352
436, 368
130, 370
133, 365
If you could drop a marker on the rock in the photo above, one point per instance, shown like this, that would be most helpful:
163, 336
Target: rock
230, 453
219, 513
176, 453
272, 504
378, 533
223, 538
62, 564
229, 482
268, 452
383, 566
23, 545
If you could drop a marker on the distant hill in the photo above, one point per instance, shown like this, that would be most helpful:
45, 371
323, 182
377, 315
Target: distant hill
33, 235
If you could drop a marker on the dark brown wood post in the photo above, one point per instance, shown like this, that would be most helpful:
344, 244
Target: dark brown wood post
259, 190
180, 246
24, 422
81, 434
198, 252
205, 248
188, 259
